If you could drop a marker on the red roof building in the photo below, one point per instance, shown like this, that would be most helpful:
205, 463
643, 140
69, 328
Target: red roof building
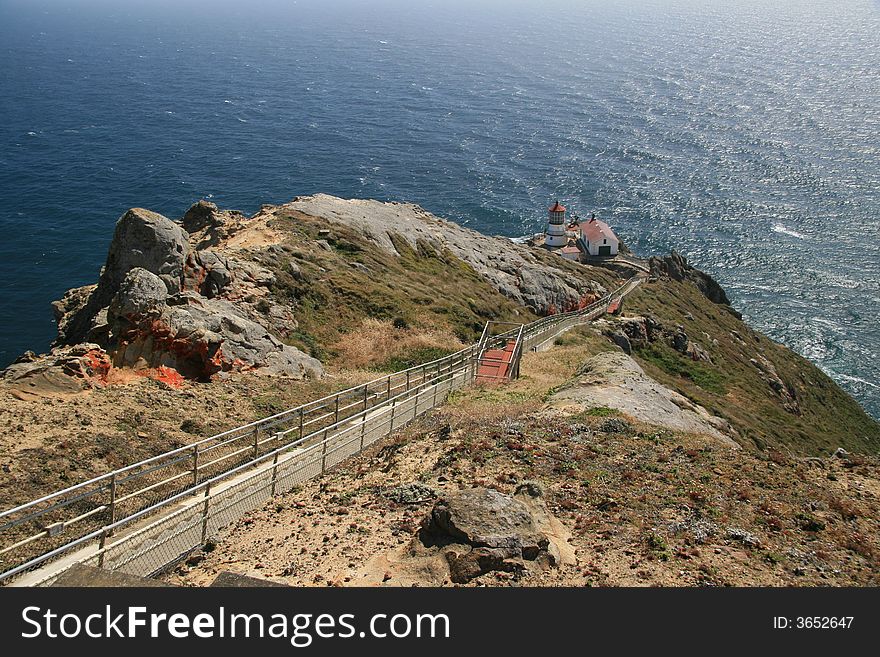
599, 239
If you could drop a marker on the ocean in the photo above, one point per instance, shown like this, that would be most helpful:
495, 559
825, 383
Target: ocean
744, 134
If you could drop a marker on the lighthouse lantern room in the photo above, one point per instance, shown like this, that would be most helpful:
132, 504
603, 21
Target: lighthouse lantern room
555, 234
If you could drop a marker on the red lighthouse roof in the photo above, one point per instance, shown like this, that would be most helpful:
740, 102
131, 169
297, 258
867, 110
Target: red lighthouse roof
557, 207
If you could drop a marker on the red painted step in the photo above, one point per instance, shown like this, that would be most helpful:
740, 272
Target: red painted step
495, 364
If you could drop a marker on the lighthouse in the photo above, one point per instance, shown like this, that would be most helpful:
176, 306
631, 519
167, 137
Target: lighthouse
555, 236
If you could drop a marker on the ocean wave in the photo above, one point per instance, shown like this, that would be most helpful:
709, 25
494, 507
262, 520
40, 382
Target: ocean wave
779, 228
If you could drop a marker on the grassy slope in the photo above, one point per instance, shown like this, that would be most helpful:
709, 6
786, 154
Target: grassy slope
420, 291
732, 387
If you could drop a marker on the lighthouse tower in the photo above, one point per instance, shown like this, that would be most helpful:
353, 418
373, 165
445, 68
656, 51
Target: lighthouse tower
555, 236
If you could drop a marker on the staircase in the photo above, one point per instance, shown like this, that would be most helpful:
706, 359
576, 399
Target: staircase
498, 357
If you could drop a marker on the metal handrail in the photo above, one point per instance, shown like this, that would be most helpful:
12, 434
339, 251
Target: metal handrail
208, 483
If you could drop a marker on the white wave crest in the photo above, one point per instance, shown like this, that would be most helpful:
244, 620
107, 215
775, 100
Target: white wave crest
779, 228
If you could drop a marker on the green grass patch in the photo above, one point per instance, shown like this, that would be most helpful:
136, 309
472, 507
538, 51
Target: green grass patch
671, 362
601, 411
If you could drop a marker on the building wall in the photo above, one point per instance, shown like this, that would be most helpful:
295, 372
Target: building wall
593, 247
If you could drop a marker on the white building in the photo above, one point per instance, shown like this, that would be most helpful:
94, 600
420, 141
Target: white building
554, 236
598, 238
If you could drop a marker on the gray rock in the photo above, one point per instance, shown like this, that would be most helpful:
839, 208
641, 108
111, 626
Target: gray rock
479, 561
201, 215
616, 425
295, 270
148, 240
636, 330
744, 537
482, 517
141, 295
695, 352
680, 342
207, 225
614, 380
676, 267
159, 303
619, 338
207, 273
200, 337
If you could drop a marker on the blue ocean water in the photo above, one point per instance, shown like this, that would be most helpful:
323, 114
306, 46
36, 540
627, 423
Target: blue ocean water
744, 134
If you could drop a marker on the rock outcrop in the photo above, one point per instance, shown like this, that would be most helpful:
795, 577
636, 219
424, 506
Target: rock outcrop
786, 393
482, 530
147, 240
516, 270
676, 267
614, 380
160, 303
207, 225
64, 370
633, 333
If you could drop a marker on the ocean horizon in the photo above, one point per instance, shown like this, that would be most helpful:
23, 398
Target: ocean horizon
745, 135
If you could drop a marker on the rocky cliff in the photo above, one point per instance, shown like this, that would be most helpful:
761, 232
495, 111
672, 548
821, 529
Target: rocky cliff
218, 292
161, 304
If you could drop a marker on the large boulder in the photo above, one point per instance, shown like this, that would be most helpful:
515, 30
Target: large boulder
200, 215
142, 240
483, 530
208, 225
158, 304
483, 517
141, 295
147, 240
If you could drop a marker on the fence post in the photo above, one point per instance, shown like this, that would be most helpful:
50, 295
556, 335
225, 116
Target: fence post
195, 464
301, 412
407, 380
391, 427
336, 412
366, 395
324, 453
113, 499
101, 544
205, 513
388, 394
256, 440
274, 473
363, 431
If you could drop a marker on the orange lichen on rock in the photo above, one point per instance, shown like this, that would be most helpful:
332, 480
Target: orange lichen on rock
168, 375
97, 364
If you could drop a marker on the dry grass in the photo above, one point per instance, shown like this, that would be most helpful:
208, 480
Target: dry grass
377, 342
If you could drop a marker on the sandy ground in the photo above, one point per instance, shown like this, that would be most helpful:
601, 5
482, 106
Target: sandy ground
640, 506
50, 442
